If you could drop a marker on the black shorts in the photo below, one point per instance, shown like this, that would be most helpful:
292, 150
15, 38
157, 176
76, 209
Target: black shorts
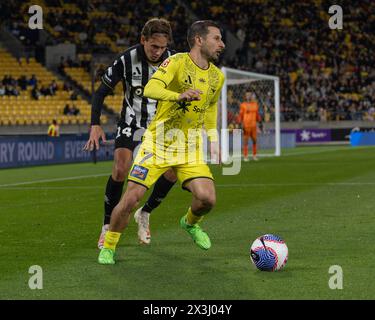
128, 137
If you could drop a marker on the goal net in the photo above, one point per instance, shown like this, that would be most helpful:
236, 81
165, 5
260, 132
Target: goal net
267, 92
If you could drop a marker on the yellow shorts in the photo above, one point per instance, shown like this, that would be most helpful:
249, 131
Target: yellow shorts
145, 171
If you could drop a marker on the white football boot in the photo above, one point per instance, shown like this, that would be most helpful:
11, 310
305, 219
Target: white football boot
142, 219
105, 228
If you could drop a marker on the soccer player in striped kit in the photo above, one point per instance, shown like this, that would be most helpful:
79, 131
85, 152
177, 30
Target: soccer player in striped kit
187, 86
133, 69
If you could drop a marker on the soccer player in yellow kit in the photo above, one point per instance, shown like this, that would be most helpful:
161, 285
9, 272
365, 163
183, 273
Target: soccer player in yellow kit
187, 87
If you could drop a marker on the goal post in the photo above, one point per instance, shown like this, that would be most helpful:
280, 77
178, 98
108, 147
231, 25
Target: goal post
267, 91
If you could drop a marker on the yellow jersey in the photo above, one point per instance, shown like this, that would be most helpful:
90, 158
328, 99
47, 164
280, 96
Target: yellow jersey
53, 130
175, 75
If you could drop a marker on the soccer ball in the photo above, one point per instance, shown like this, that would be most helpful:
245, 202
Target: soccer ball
269, 253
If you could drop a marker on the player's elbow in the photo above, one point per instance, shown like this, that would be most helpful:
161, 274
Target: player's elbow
146, 91
102, 91
151, 88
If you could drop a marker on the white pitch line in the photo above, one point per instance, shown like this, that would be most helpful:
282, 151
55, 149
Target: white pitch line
229, 185
54, 180
298, 153
302, 184
315, 152
104, 174
53, 188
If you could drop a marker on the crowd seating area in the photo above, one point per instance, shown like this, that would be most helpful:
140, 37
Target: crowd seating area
80, 73
24, 108
325, 74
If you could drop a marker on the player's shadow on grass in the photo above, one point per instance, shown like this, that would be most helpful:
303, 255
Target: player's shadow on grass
162, 253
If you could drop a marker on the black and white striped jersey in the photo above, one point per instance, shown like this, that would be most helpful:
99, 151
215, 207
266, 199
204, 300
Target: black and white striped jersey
134, 71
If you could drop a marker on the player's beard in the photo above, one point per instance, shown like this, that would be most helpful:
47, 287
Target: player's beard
211, 57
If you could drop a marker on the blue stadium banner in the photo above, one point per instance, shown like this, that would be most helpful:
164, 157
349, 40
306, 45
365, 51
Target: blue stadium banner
30, 150
310, 135
362, 139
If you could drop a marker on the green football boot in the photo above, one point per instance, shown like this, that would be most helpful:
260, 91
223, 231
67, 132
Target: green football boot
199, 236
106, 256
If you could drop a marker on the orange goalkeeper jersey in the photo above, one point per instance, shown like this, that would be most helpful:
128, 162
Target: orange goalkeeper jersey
249, 114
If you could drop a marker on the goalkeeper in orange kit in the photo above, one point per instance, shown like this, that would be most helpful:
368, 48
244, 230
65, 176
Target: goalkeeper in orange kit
248, 117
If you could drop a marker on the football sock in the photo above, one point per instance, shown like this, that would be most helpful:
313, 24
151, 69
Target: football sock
111, 240
160, 191
192, 219
112, 197
254, 149
245, 151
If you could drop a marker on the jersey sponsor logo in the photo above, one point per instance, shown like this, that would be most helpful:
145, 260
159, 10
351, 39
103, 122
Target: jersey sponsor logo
165, 63
202, 80
198, 110
139, 172
137, 75
183, 105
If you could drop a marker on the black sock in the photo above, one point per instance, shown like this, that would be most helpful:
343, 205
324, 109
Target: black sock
112, 197
160, 191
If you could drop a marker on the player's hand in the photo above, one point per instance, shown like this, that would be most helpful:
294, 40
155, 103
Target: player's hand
215, 153
190, 95
96, 133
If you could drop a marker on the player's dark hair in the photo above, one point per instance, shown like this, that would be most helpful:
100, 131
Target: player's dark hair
199, 28
157, 25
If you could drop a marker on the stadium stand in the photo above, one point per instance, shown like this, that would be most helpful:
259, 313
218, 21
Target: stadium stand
110, 28
326, 75
31, 106
79, 73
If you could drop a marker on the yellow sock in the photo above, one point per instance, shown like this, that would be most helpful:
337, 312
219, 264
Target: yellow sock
192, 219
111, 240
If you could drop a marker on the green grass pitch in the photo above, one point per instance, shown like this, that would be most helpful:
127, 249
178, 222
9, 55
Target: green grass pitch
321, 200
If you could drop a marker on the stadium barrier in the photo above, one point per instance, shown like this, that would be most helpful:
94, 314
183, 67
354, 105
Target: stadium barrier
31, 150
310, 135
306, 136
266, 141
362, 139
